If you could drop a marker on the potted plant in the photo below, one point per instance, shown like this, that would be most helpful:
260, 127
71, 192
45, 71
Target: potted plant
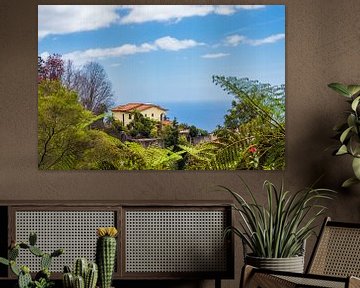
349, 131
276, 233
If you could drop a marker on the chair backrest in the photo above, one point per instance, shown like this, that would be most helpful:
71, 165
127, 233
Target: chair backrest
337, 251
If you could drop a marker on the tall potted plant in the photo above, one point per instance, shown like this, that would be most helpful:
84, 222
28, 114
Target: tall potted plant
276, 233
349, 131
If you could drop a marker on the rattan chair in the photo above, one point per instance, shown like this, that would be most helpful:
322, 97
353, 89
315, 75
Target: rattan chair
334, 263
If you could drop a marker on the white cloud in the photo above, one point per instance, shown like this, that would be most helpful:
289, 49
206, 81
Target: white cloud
165, 43
215, 55
44, 55
165, 13
173, 44
224, 9
250, 7
63, 19
235, 40
271, 39
81, 57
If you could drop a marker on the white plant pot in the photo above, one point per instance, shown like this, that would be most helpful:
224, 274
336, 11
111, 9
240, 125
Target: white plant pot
291, 264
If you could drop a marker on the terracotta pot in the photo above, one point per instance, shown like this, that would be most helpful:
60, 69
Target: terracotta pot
291, 264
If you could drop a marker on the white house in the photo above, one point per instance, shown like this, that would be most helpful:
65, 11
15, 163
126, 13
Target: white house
123, 113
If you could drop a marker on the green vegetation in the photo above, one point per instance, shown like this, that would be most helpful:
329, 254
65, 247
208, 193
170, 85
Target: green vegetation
73, 136
348, 132
141, 126
257, 141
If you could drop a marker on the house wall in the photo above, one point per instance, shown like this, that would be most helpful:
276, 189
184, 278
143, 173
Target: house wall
123, 117
147, 113
323, 40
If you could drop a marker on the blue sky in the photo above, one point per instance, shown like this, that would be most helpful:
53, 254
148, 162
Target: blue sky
167, 55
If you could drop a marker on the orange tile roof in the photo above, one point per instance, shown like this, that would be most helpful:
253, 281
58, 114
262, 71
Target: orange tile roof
129, 107
166, 122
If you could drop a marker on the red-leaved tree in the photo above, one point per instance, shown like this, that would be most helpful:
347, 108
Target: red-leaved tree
52, 68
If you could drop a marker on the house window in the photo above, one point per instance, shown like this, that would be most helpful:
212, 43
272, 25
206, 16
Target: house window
130, 116
152, 114
145, 115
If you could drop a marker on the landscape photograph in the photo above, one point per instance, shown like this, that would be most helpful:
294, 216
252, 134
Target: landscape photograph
161, 87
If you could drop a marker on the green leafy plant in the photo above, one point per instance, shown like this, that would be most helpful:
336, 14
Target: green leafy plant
349, 132
279, 229
42, 278
43, 283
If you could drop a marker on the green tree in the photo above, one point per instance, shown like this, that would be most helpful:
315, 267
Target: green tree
253, 99
253, 136
62, 126
195, 132
64, 133
171, 135
141, 126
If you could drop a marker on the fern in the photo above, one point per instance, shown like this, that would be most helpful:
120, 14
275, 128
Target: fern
258, 142
199, 157
154, 158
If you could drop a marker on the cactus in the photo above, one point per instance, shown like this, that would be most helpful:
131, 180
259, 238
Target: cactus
14, 268
13, 253
24, 246
67, 269
24, 280
23, 273
88, 273
105, 254
80, 267
79, 282
57, 252
45, 261
91, 276
68, 280
32, 238
4, 261
36, 251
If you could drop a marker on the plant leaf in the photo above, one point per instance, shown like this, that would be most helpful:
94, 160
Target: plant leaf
351, 120
356, 167
342, 150
349, 182
355, 103
4, 261
345, 134
353, 89
354, 145
340, 88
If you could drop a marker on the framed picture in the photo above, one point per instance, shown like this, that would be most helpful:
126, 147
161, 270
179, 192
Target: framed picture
161, 87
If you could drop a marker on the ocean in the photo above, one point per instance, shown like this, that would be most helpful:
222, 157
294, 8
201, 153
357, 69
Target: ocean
204, 115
